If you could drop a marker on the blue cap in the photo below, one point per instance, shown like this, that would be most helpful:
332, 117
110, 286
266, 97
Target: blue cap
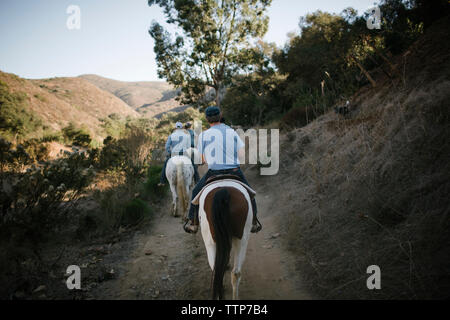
212, 111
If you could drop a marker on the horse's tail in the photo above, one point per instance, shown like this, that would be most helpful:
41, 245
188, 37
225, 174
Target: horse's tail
222, 230
181, 188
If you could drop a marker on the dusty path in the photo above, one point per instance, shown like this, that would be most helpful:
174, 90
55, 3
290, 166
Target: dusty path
164, 262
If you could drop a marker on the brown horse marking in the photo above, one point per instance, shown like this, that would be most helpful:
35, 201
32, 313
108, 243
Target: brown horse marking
238, 211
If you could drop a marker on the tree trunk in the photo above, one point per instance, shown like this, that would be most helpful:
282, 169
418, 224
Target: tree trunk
364, 71
217, 86
381, 66
217, 98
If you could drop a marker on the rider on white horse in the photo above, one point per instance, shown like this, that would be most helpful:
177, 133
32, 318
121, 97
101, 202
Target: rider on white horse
219, 147
177, 144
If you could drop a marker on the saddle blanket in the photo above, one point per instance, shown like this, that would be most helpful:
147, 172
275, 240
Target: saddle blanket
251, 192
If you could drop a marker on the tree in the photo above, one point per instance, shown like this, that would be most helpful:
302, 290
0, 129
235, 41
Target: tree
252, 98
315, 60
215, 44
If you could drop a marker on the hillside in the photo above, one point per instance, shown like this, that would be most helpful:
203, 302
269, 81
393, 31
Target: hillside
148, 97
372, 188
59, 101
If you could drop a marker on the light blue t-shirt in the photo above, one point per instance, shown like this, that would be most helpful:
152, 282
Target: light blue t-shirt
220, 145
178, 142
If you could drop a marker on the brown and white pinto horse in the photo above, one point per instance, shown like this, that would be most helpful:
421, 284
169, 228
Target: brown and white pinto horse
225, 214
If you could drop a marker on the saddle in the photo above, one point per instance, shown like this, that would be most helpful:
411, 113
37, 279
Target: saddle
223, 177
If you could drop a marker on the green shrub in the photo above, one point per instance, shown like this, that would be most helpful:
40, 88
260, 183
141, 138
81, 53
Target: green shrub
52, 136
36, 150
82, 139
15, 119
151, 185
77, 136
135, 211
130, 153
32, 201
95, 144
109, 217
34, 207
12, 159
169, 119
112, 154
113, 125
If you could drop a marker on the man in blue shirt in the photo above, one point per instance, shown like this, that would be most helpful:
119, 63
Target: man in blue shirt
177, 143
219, 147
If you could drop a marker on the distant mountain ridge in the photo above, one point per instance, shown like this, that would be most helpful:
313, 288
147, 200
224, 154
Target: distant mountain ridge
149, 98
87, 99
59, 101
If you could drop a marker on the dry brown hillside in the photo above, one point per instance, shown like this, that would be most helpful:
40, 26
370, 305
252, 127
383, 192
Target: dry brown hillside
373, 188
148, 97
59, 101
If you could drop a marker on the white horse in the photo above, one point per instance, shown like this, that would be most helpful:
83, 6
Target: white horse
225, 213
180, 174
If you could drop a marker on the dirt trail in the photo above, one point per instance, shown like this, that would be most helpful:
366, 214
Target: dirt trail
164, 262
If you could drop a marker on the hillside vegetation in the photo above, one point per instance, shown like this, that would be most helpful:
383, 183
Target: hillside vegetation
54, 104
326, 63
371, 187
81, 195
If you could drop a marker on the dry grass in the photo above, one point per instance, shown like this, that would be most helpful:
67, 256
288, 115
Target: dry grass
373, 190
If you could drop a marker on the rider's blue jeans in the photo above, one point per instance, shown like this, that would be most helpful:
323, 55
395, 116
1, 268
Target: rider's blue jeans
193, 209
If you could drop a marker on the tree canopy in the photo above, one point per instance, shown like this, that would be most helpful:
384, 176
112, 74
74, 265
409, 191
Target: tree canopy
326, 62
215, 43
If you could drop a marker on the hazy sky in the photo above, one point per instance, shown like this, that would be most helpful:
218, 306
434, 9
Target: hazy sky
113, 40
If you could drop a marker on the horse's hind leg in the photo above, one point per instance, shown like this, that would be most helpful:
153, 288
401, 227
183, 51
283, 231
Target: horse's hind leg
240, 248
209, 242
174, 200
186, 202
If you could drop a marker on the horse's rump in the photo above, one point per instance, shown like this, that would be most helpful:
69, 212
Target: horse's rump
238, 211
225, 218
180, 173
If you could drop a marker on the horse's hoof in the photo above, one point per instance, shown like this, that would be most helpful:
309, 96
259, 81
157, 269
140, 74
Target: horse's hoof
191, 229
